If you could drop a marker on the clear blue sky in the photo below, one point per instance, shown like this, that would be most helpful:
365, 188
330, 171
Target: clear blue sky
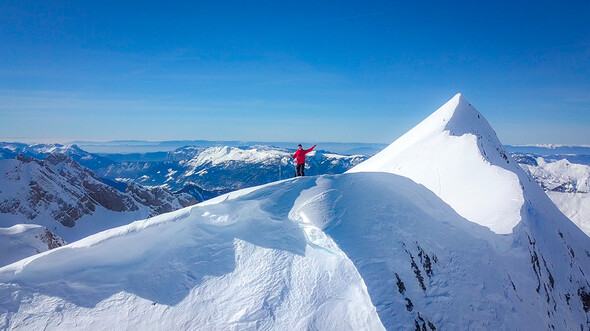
344, 71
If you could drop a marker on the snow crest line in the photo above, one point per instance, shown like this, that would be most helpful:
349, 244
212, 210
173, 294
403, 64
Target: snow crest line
314, 235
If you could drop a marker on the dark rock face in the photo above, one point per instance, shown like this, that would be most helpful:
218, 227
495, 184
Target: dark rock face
60, 188
185, 199
51, 239
109, 198
159, 199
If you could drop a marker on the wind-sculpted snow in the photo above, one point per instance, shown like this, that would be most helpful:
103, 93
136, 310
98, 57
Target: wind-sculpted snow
327, 252
423, 264
238, 264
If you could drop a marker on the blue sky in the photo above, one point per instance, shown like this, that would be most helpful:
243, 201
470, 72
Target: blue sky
342, 71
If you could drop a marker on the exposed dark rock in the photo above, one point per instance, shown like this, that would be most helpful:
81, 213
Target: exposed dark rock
51, 239
584, 298
417, 272
401, 287
409, 304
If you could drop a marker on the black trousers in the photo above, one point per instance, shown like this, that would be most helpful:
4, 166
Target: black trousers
300, 170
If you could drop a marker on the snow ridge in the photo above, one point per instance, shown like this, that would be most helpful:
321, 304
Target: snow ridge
239, 264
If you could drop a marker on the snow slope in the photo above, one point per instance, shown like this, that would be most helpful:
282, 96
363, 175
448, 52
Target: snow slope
338, 252
456, 154
23, 240
423, 263
576, 206
239, 264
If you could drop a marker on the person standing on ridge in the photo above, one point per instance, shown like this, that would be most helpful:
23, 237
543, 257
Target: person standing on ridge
300, 156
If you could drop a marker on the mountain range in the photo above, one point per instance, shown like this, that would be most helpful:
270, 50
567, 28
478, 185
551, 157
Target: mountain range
440, 230
566, 183
70, 200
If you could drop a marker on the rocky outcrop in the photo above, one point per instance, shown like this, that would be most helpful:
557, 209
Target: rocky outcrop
159, 199
51, 240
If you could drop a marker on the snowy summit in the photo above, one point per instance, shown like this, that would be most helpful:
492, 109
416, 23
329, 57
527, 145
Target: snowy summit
466, 241
457, 155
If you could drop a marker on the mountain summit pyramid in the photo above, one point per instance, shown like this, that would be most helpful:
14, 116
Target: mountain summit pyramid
456, 154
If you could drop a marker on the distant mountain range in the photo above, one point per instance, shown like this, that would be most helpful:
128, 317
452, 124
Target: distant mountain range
141, 146
551, 150
225, 168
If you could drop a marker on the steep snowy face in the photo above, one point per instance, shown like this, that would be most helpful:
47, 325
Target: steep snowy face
457, 155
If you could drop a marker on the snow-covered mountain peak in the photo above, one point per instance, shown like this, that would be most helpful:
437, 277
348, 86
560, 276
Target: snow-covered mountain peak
456, 154
459, 117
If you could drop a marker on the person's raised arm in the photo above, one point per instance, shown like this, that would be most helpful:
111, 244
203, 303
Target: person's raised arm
311, 149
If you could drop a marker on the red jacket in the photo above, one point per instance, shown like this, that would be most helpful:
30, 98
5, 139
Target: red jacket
300, 155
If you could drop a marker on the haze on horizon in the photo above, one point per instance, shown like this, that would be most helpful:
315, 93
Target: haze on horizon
305, 71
